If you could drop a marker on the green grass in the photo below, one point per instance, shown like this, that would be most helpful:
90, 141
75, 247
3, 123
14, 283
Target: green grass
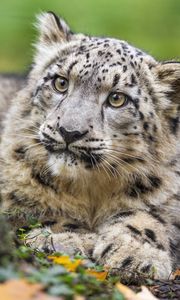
151, 25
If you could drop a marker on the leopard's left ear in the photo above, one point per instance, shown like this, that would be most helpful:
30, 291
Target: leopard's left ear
168, 74
52, 29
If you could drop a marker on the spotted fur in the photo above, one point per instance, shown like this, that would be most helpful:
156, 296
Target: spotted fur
103, 181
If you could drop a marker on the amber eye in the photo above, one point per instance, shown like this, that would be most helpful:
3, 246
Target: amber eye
60, 84
117, 99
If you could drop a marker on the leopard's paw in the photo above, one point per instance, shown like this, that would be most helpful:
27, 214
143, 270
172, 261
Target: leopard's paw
69, 243
130, 258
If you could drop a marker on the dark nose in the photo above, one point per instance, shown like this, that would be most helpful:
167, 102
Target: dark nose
71, 136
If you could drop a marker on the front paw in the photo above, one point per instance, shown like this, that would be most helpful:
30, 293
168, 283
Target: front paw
131, 258
40, 239
69, 243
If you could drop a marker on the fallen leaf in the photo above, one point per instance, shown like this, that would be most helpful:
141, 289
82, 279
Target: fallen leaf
99, 275
65, 261
43, 296
126, 292
145, 294
78, 297
18, 289
175, 275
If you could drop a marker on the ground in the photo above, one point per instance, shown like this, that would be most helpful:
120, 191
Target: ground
32, 275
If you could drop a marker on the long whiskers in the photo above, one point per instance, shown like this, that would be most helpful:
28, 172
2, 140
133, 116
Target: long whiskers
136, 169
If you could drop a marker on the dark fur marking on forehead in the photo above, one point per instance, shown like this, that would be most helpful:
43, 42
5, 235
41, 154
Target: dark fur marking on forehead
71, 66
133, 79
118, 51
115, 80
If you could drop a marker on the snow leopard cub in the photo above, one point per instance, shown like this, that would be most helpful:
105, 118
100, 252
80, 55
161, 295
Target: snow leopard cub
90, 148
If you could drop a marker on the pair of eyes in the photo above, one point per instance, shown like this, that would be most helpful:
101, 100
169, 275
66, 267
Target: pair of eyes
115, 99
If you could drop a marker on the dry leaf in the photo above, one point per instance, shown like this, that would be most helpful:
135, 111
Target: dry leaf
99, 275
66, 262
127, 292
175, 275
18, 289
78, 297
43, 296
145, 294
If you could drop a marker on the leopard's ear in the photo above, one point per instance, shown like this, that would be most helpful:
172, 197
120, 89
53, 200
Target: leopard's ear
168, 74
52, 29
168, 78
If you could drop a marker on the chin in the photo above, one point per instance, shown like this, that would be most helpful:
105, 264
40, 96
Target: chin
66, 166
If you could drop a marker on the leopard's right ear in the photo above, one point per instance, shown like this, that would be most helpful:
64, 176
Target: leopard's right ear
52, 29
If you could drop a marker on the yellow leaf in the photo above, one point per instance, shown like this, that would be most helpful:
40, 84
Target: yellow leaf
65, 261
18, 289
99, 275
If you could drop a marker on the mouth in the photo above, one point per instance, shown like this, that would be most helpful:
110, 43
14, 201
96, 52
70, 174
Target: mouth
75, 154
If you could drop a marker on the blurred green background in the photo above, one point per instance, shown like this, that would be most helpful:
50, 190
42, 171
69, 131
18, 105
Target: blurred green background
151, 25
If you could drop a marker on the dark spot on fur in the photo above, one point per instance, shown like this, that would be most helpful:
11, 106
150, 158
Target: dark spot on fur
134, 230
172, 247
160, 247
48, 223
140, 187
155, 181
145, 125
71, 66
25, 113
146, 269
106, 250
124, 69
44, 180
19, 153
141, 115
123, 214
177, 225
116, 79
126, 262
153, 212
174, 124
71, 227
150, 234
133, 79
